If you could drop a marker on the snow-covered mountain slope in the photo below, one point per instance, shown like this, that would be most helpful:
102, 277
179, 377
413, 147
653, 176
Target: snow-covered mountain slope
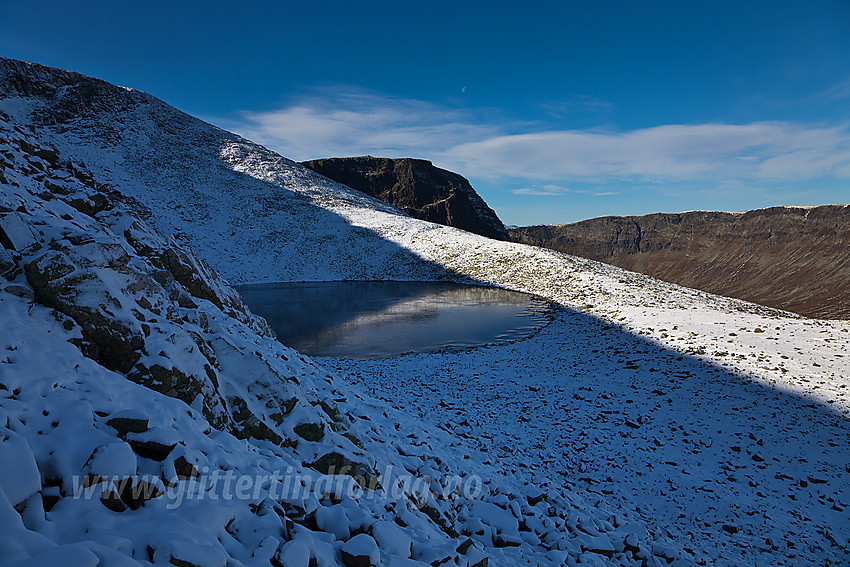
261, 216
146, 417
255, 216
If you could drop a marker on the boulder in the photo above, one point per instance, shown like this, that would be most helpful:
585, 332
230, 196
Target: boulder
360, 551
19, 476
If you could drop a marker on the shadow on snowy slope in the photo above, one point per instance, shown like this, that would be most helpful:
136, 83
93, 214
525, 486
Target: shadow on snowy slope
732, 469
254, 215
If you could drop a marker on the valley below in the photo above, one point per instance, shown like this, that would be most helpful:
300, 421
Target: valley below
734, 470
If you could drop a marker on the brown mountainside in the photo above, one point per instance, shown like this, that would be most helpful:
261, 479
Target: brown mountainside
791, 258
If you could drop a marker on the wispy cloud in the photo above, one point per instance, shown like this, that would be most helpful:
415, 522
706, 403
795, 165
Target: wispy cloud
548, 189
533, 191
771, 150
345, 122
838, 91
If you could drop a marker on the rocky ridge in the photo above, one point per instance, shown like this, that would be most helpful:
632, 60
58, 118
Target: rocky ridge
791, 258
418, 188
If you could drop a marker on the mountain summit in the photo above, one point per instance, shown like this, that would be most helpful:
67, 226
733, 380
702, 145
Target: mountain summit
418, 188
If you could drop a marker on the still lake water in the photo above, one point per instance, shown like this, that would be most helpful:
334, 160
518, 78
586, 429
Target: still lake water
366, 320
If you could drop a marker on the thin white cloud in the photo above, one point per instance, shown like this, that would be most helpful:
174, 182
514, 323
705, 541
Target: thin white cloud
838, 91
548, 189
575, 105
533, 191
762, 150
347, 122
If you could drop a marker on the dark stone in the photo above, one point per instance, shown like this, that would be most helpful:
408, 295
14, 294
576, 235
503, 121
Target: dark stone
91, 479
125, 425
418, 188
112, 501
169, 381
186, 273
185, 469
7, 261
91, 204
356, 560
498, 541
135, 495
48, 501
464, 547
254, 428
310, 431
287, 406
151, 449
349, 549
109, 343
336, 464
535, 500
49, 155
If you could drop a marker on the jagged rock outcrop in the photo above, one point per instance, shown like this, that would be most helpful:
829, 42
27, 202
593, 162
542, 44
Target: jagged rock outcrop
418, 188
791, 258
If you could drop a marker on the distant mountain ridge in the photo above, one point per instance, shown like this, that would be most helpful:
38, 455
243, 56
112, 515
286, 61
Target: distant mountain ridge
418, 188
792, 258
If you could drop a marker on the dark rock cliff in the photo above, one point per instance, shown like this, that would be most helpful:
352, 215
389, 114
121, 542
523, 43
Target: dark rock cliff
418, 188
796, 259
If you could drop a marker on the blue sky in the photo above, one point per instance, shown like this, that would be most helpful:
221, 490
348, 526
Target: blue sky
556, 111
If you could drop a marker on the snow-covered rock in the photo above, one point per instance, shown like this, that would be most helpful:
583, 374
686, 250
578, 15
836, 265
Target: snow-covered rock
19, 475
392, 539
360, 551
